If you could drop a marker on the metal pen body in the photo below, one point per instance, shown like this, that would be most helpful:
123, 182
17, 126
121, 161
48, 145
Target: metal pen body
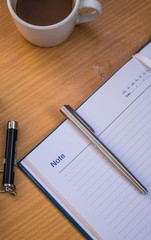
10, 156
75, 118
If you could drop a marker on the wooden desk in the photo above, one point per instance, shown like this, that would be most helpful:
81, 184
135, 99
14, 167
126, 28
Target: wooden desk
35, 82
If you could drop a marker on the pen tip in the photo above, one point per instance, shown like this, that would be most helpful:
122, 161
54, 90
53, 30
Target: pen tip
145, 191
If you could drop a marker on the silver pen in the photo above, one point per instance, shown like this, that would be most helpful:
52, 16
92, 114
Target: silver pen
89, 132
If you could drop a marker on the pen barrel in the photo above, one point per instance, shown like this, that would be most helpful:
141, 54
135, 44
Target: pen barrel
121, 166
113, 158
76, 119
10, 154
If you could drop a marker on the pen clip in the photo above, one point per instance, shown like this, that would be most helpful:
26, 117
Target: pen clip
79, 118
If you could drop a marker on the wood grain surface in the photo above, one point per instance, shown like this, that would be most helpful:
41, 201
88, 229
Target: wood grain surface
35, 82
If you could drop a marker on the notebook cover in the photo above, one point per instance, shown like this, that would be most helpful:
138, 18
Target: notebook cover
46, 192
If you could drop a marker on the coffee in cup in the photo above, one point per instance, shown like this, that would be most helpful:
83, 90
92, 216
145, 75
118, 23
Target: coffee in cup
47, 23
43, 12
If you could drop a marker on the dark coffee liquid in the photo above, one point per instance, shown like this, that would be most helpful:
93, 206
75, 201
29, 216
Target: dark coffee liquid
43, 12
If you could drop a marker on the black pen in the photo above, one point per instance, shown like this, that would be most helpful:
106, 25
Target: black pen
10, 158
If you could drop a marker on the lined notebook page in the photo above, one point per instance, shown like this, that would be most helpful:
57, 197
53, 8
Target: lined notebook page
84, 181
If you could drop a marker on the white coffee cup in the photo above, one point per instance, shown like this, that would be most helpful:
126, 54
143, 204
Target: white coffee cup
52, 35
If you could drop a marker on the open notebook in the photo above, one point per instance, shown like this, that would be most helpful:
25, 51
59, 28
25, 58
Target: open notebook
83, 184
